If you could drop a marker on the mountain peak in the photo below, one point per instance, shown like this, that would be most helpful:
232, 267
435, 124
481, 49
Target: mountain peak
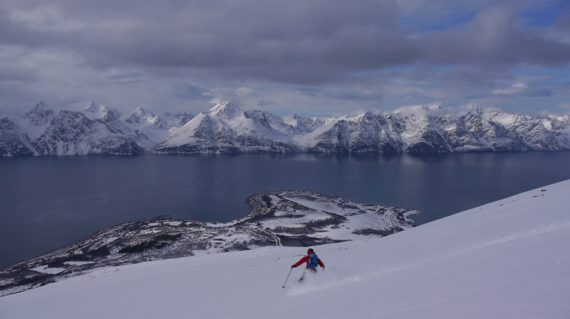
95, 110
477, 109
474, 108
423, 108
366, 115
40, 114
140, 111
41, 105
225, 109
141, 116
94, 107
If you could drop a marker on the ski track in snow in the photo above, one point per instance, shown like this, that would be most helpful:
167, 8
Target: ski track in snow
330, 281
321, 281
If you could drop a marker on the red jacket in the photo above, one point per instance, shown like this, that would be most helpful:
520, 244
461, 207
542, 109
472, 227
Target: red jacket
305, 259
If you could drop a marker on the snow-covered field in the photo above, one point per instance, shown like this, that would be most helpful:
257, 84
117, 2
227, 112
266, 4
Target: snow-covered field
507, 259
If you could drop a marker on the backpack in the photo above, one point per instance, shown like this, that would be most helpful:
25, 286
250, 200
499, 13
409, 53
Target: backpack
313, 261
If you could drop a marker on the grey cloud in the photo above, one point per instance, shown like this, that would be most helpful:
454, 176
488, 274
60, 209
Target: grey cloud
191, 92
17, 74
135, 51
265, 103
308, 41
523, 89
493, 38
128, 77
563, 19
538, 92
471, 76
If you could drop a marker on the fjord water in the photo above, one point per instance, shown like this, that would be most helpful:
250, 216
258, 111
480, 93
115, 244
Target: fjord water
49, 202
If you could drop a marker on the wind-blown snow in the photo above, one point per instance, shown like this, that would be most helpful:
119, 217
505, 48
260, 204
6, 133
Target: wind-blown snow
506, 259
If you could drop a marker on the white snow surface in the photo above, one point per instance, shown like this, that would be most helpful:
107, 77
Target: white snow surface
93, 110
48, 270
225, 119
506, 259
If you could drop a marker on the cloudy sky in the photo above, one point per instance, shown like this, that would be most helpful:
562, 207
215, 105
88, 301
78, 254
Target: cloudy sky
311, 57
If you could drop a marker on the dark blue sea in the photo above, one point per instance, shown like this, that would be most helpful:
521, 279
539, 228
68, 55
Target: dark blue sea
46, 203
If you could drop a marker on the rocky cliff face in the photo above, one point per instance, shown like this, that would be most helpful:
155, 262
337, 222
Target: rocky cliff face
13, 141
73, 133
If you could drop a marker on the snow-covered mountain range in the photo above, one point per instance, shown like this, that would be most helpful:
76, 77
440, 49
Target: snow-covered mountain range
506, 259
227, 128
286, 218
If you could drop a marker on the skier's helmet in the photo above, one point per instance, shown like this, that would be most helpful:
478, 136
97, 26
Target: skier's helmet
310, 251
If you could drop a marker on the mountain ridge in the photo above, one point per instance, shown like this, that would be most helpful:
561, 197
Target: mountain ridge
96, 129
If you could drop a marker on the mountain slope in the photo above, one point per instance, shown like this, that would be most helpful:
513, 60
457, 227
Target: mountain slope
73, 133
13, 141
226, 128
286, 218
151, 128
37, 119
506, 259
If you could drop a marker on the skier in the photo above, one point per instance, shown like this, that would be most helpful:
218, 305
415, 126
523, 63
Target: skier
312, 261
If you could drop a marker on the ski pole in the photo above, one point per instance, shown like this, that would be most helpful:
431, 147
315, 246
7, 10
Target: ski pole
290, 270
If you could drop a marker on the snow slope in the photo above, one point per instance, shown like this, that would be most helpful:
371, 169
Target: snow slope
286, 218
506, 259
